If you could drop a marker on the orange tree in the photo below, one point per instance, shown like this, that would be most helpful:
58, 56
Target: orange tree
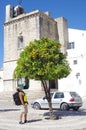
43, 60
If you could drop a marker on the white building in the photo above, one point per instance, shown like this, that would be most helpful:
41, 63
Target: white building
76, 55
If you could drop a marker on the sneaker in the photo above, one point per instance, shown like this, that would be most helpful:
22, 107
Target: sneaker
25, 121
21, 122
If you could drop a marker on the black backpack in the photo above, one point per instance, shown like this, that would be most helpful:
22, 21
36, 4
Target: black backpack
16, 98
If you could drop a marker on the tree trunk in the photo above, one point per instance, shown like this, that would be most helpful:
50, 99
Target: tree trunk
26, 83
48, 96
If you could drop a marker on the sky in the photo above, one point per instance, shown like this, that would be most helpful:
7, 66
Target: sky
73, 10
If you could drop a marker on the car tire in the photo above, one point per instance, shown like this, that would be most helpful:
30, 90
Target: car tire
36, 106
75, 108
64, 107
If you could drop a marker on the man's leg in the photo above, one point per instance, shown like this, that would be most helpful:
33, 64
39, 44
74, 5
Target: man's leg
21, 116
25, 118
25, 115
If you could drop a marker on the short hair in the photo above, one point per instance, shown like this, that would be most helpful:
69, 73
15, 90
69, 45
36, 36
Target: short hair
18, 89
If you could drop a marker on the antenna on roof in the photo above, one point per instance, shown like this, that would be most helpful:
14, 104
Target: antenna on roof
19, 1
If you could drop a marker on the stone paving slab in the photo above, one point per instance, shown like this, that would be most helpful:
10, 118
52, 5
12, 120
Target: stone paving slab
70, 120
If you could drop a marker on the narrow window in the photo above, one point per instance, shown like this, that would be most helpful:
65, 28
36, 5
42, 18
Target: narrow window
75, 62
41, 21
20, 42
48, 25
77, 75
71, 45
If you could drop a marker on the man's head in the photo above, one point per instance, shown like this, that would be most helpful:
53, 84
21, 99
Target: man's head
18, 89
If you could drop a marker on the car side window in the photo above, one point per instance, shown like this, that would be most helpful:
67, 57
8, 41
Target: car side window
51, 94
59, 95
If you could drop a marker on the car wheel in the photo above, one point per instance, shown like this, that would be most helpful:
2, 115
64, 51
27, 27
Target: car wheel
36, 106
64, 106
75, 108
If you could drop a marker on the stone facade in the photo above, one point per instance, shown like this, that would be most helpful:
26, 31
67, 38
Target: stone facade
62, 32
22, 28
1, 80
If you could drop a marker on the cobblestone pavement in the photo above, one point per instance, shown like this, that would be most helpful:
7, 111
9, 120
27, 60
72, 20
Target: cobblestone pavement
70, 120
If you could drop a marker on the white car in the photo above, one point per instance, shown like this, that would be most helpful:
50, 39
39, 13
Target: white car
60, 100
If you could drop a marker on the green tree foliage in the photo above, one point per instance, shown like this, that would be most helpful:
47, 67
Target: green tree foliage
43, 60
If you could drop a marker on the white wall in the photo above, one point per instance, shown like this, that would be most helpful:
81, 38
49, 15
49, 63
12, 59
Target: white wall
78, 53
35, 85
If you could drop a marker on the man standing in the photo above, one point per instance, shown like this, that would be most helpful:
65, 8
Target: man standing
24, 105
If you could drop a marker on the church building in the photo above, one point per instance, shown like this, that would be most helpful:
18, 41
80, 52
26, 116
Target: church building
19, 29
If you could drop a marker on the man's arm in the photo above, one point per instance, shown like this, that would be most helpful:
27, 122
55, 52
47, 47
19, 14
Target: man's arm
21, 96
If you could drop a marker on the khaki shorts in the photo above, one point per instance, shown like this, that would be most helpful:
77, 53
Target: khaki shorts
24, 109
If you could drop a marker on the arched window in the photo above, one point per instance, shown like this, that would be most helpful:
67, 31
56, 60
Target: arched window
20, 42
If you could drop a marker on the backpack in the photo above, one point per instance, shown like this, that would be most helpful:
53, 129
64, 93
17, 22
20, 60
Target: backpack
16, 98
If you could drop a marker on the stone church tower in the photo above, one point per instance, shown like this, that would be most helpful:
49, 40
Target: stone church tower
19, 29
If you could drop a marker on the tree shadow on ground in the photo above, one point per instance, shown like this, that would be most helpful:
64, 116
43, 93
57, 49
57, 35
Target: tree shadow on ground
80, 112
7, 110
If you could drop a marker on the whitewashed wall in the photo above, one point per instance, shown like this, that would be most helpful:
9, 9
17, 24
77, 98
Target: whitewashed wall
72, 82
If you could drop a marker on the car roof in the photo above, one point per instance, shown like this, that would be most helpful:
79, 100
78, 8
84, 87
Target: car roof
64, 91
